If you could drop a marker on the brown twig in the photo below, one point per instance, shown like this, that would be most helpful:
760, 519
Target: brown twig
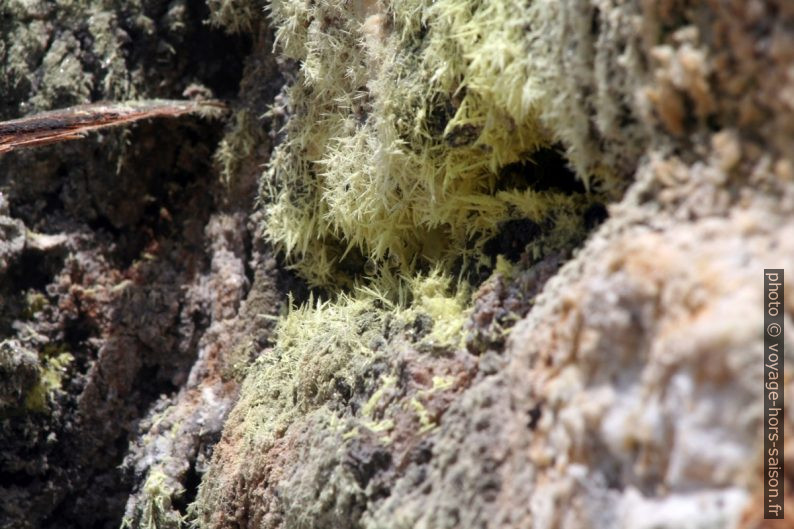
75, 122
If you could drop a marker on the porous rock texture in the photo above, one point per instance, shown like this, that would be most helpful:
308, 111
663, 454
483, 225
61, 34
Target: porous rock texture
596, 365
124, 262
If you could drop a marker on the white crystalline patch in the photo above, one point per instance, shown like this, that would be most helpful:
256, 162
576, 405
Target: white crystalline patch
706, 510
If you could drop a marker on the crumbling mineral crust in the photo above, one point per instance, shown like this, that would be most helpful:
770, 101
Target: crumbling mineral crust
445, 264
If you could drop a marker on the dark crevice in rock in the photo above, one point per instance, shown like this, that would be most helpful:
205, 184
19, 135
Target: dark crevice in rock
190, 483
544, 170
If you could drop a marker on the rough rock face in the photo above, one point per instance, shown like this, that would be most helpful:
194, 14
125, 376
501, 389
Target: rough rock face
610, 405
626, 397
124, 262
580, 357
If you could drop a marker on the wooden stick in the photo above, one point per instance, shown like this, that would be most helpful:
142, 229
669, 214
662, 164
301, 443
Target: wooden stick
75, 122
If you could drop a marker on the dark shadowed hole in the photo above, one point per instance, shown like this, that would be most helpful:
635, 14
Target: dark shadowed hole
512, 239
191, 482
34, 270
546, 169
217, 54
